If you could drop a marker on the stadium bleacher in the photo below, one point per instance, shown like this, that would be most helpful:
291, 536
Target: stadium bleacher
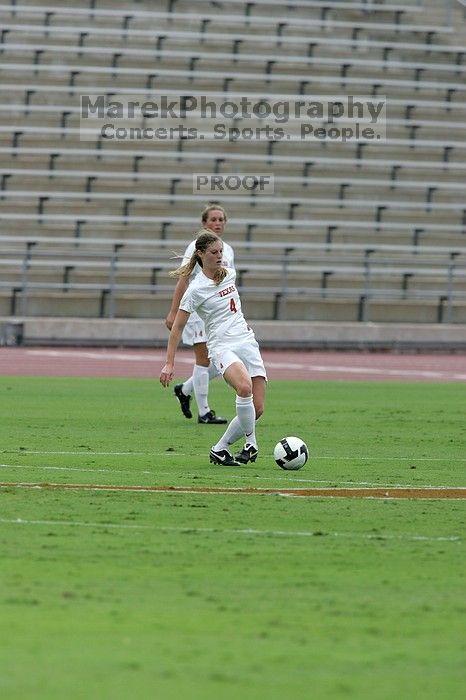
356, 231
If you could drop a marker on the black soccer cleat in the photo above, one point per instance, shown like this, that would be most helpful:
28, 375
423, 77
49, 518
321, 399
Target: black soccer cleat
248, 454
183, 399
224, 458
211, 418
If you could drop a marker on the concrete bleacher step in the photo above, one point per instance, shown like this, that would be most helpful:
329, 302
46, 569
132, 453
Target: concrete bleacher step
399, 149
426, 232
84, 305
393, 173
328, 231
136, 202
335, 307
272, 48
205, 59
390, 12
100, 181
406, 35
321, 79
404, 212
405, 190
32, 99
42, 92
144, 161
115, 18
418, 131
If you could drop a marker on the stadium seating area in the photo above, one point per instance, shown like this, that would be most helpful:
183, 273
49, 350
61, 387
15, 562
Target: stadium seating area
369, 230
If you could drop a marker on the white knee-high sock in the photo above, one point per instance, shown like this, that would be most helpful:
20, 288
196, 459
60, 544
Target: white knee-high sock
201, 388
188, 385
247, 417
233, 433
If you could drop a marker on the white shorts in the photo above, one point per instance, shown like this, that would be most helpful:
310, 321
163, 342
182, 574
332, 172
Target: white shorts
246, 352
194, 331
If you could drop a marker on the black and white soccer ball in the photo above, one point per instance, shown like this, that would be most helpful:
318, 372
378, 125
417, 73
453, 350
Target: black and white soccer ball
291, 453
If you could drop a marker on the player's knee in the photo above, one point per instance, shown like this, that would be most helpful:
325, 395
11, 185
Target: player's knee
244, 388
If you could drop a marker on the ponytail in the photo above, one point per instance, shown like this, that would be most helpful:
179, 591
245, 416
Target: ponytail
205, 237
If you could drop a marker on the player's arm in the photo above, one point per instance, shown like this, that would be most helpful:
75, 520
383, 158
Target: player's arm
181, 318
180, 288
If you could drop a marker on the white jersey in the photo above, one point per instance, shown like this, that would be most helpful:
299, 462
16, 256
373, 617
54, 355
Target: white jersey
194, 331
219, 306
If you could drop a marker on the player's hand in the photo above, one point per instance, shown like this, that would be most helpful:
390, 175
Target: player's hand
169, 321
166, 375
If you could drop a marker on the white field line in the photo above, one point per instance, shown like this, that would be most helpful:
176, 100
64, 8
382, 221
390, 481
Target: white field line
75, 469
234, 531
307, 367
90, 453
104, 356
230, 475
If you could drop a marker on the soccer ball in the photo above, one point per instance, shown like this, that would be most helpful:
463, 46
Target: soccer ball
291, 453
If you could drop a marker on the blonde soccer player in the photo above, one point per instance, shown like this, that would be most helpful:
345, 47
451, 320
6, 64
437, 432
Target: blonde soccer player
214, 218
233, 348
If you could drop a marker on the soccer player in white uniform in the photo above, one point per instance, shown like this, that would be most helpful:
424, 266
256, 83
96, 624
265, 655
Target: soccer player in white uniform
213, 218
233, 348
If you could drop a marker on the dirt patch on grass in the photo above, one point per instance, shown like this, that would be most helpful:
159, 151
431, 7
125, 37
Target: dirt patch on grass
413, 493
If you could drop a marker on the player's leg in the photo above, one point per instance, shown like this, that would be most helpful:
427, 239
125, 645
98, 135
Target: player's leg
201, 380
198, 383
234, 430
188, 384
250, 355
259, 385
249, 451
238, 377
184, 390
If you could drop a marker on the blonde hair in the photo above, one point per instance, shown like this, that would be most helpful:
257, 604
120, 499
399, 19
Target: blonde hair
211, 207
204, 239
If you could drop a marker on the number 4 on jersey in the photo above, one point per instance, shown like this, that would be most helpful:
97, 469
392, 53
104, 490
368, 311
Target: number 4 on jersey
233, 308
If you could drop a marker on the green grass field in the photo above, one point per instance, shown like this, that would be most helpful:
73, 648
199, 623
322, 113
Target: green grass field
107, 594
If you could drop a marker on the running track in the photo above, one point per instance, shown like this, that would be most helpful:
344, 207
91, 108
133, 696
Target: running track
144, 363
